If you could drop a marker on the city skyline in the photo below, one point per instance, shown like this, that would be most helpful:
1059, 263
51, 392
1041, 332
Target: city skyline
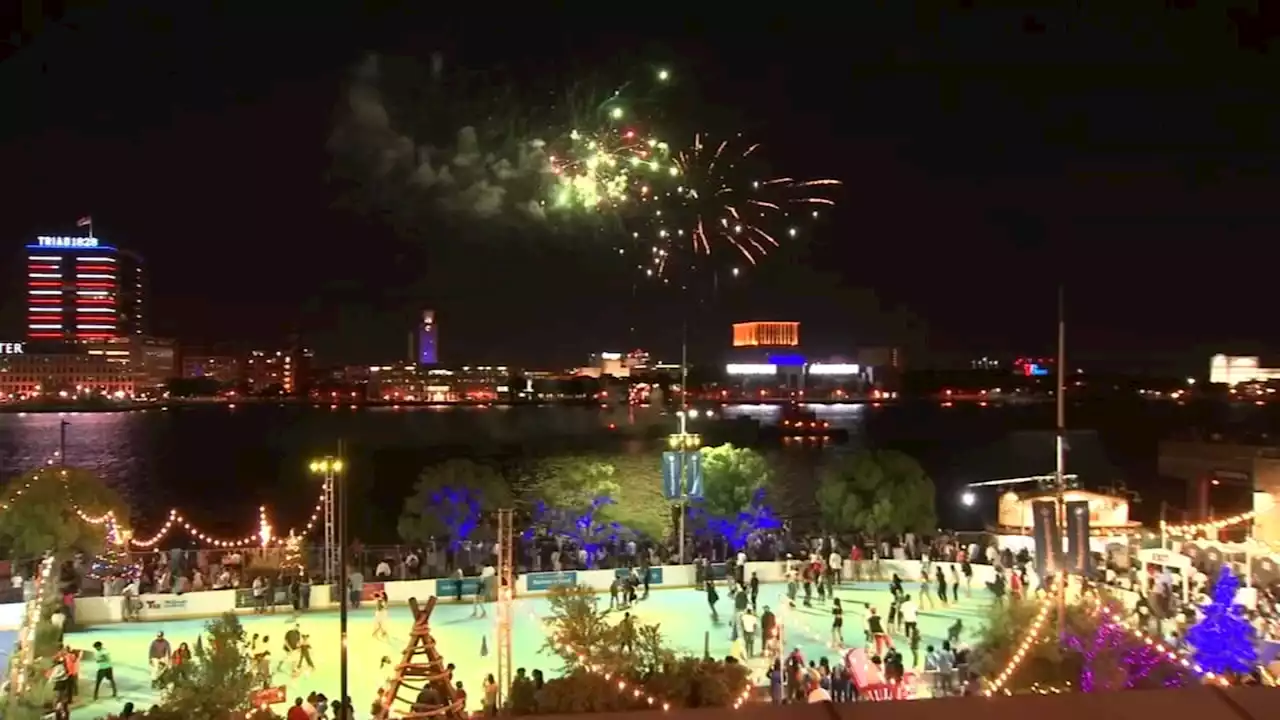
965, 203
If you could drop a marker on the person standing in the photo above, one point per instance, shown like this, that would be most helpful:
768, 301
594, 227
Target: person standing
158, 655
628, 634
875, 628
749, 623
490, 696
712, 598
955, 585
102, 659
908, 613
755, 592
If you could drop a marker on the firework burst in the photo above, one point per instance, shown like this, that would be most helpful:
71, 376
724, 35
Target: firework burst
714, 201
608, 170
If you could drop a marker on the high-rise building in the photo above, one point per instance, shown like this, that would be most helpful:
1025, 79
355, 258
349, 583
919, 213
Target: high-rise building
80, 289
422, 341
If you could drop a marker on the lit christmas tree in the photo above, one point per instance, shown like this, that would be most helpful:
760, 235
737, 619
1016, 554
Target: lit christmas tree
1224, 639
292, 563
114, 560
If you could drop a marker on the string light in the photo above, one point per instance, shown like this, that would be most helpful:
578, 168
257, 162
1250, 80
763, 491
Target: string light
636, 690
27, 638
1171, 654
1207, 527
1028, 640
176, 520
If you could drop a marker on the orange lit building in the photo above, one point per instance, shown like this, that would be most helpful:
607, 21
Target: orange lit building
766, 334
66, 375
283, 371
413, 383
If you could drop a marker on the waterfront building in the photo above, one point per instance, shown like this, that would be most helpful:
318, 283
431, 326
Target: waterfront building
80, 289
414, 383
69, 375
284, 372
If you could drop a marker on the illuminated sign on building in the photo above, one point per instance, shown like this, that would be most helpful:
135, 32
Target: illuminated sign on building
57, 241
833, 369
750, 369
12, 348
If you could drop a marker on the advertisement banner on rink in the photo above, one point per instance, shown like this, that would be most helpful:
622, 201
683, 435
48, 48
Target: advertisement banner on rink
245, 599
541, 582
448, 588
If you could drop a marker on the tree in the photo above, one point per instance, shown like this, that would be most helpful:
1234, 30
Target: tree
733, 479
293, 562
621, 492
218, 680
1224, 639
450, 499
42, 512
877, 492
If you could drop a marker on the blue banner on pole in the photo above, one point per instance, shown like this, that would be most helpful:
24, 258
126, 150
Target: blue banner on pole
693, 474
1048, 538
671, 474
1079, 558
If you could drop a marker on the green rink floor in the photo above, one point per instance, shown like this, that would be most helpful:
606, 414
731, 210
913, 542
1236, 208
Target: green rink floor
469, 642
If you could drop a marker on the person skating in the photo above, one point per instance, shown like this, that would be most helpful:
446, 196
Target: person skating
304, 654
769, 640
755, 592
875, 627
627, 633
837, 624
712, 598
292, 641
615, 589
955, 585
749, 623
808, 588
909, 616
924, 596
106, 671
942, 585
380, 617
792, 589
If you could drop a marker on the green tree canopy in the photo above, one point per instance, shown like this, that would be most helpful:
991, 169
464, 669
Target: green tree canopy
877, 492
218, 680
631, 481
731, 478
451, 498
42, 506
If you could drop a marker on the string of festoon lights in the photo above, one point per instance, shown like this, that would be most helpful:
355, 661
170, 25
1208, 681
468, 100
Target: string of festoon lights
23, 669
1186, 529
175, 521
1109, 615
635, 690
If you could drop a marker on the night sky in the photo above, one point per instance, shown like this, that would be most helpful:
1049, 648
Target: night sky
988, 155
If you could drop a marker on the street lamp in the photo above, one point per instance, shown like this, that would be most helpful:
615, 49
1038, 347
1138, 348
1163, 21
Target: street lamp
335, 524
967, 498
329, 468
683, 443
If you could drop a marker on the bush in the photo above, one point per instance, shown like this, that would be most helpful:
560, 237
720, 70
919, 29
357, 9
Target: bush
582, 635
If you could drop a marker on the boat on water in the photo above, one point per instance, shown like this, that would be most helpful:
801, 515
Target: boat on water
797, 423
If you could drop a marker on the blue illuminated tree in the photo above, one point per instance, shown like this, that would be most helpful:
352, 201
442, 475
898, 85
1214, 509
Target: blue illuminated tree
735, 529
450, 501
1224, 639
585, 526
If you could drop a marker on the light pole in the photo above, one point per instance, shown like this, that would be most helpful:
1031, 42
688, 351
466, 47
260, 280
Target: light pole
682, 443
335, 523
328, 468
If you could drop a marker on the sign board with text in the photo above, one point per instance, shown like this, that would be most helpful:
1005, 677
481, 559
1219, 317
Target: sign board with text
59, 241
12, 348
541, 582
449, 588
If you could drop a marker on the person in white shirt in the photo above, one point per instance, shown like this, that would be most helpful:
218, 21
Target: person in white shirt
488, 578
383, 571
749, 631
835, 562
909, 616
818, 695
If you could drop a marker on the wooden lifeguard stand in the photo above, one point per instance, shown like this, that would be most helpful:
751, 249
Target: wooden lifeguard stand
420, 666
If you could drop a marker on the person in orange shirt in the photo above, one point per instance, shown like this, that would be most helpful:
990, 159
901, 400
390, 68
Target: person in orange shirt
72, 660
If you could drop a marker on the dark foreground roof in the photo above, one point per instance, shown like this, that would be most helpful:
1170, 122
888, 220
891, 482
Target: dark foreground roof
1254, 703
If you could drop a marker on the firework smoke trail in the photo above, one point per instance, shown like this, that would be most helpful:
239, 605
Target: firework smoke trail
713, 200
460, 175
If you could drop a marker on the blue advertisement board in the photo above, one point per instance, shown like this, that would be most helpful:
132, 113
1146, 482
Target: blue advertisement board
655, 574
449, 588
672, 474
538, 582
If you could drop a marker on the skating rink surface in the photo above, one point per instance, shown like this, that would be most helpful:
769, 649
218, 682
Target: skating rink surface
682, 614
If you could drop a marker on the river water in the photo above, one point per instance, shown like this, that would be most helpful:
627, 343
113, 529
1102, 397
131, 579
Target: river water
217, 464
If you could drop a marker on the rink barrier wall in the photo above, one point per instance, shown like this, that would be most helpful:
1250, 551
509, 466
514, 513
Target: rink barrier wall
211, 603
12, 615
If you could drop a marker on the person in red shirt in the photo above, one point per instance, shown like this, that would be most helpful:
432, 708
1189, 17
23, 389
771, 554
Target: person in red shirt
296, 712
